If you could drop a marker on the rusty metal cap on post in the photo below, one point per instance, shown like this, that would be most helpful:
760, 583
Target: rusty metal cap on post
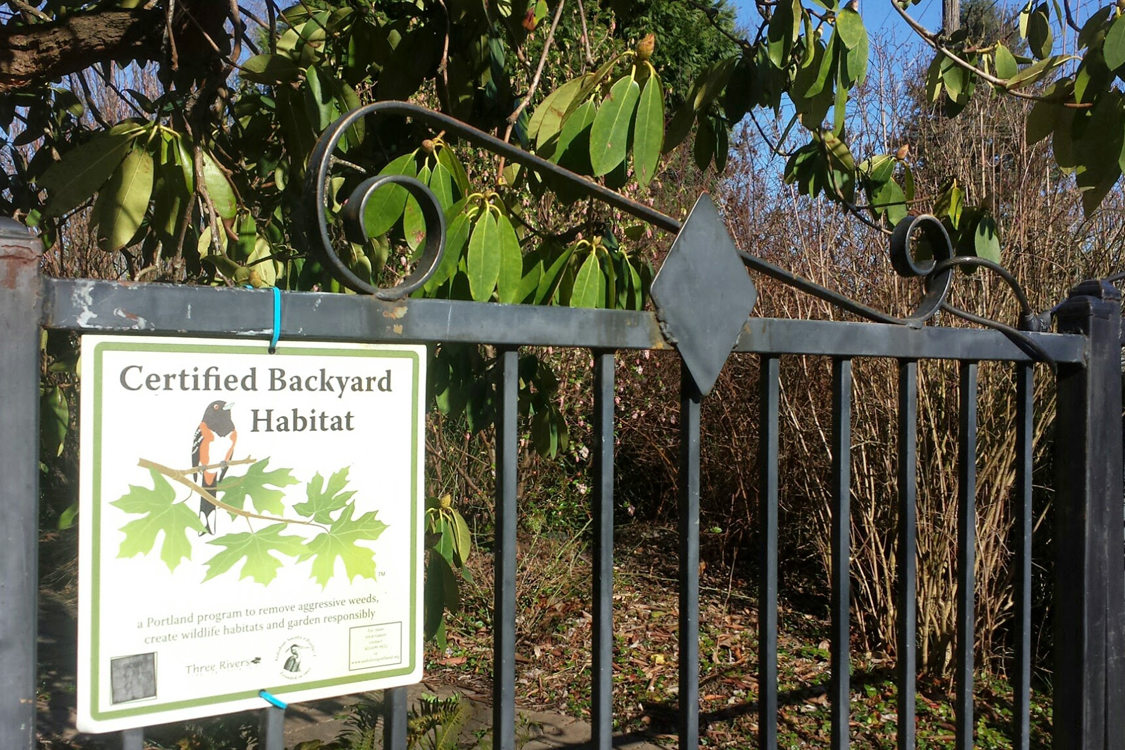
10, 229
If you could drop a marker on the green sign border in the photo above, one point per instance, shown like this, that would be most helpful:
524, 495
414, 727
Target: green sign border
100, 348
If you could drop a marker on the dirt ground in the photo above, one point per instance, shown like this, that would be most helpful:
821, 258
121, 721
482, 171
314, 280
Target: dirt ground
553, 662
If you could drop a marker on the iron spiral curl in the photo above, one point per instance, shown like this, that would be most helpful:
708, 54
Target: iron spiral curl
937, 279
432, 217
316, 224
316, 188
938, 274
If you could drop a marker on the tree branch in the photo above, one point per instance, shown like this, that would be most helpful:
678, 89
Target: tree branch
934, 41
30, 54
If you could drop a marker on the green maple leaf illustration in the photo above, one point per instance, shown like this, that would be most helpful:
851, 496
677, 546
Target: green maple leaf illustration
260, 486
258, 549
340, 542
160, 513
325, 499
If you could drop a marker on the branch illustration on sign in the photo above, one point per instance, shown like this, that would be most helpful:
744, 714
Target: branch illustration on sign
329, 512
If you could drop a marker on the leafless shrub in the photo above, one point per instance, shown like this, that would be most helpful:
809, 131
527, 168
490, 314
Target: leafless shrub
1048, 246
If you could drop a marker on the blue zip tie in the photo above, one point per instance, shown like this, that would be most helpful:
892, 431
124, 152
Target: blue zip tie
276, 317
271, 699
276, 325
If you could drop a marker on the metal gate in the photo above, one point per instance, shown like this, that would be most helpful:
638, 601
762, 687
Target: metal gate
704, 323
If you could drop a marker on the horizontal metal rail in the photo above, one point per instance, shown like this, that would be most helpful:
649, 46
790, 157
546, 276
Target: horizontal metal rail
108, 307
111, 307
845, 339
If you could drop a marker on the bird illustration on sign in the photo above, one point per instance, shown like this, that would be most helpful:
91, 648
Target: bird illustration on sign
216, 428
326, 527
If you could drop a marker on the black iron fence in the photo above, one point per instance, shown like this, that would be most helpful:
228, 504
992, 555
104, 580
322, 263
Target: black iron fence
1088, 669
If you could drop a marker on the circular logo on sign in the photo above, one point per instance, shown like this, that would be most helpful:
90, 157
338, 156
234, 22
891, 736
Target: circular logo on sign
295, 657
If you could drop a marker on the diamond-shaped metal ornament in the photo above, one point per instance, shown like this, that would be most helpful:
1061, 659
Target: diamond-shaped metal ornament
703, 294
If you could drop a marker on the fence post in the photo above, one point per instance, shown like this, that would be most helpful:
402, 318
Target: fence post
20, 307
1090, 549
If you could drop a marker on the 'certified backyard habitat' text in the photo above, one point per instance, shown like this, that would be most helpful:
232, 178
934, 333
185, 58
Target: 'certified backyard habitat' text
275, 379
268, 379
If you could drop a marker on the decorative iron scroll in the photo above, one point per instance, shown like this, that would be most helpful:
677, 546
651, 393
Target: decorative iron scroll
356, 231
321, 160
936, 273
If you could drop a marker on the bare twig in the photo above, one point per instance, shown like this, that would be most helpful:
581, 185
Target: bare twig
512, 118
515, 116
169, 32
775, 149
181, 233
206, 37
1070, 17
310, 11
250, 14
271, 15
154, 270
182, 477
239, 31
94, 112
585, 34
713, 18
30, 10
232, 59
443, 64
205, 197
108, 80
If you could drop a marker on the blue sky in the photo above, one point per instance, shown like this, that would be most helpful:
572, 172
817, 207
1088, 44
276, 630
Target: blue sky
878, 16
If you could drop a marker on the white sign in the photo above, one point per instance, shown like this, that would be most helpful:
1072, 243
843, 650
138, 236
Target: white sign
249, 521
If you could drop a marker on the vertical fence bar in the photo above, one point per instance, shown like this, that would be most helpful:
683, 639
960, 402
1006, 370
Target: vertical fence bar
1090, 580
601, 710
20, 311
133, 739
1025, 436
394, 718
271, 729
769, 397
1115, 554
841, 550
690, 399
966, 551
504, 613
906, 562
